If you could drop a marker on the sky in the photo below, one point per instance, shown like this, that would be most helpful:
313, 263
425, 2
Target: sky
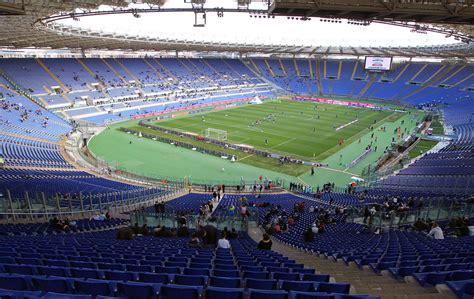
241, 28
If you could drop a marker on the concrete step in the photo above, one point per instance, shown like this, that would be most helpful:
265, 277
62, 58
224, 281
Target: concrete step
363, 281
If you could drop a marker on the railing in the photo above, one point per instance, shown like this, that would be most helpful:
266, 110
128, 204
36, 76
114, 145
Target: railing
436, 209
40, 206
219, 219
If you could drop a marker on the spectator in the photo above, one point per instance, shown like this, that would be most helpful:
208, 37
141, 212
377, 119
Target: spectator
183, 231
308, 235
223, 242
314, 228
194, 242
209, 235
291, 221
233, 234
277, 228
265, 243
136, 229
125, 233
436, 232
144, 230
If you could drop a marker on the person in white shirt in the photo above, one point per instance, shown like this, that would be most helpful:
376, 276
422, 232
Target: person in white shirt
223, 242
436, 232
314, 228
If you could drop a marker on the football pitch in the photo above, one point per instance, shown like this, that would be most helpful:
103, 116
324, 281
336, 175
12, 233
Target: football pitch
302, 130
309, 131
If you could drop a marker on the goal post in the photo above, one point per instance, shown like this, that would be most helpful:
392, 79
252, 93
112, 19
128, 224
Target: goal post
216, 134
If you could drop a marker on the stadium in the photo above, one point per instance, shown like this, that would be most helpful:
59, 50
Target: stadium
237, 149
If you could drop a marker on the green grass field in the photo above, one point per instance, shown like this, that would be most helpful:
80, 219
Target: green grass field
421, 147
298, 129
437, 127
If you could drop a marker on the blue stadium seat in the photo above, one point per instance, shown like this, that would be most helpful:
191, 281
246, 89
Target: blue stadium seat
119, 275
192, 271
182, 292
226, 273
53, 295
310, 295
464, 289
256, 274
93, 287
303, 286
316, 277
267, 294
50, 284
138, 290
13, 282
154, 278
191, 280
261, 284
286, 276
12, 294
224, 282
333, 287
227, 293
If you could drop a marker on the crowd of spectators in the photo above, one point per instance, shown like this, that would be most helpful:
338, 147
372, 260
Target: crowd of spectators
62, 225
8, 106
278, 220
204, 235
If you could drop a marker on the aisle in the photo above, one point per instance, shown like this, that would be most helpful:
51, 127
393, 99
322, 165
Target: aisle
362, 281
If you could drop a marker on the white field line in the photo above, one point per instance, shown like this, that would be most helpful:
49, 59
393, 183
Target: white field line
284, 142
348, 124
248, 156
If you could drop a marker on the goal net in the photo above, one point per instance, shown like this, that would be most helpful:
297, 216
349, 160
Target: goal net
216, 134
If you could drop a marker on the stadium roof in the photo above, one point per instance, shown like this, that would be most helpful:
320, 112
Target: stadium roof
445, 12
29, 25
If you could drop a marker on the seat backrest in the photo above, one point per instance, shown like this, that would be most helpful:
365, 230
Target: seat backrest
461, 275
137, 290
168, 270
333, 287
92, 287
154, 277
267, 294
192, 271
316, 277
226, 273
436, 278
57, 285
227, 293
52, 271
13, 283
469, 288
177, 291
304, 286
21, 269
190, 280
256, 274
118, 275
261, 284
85, 273
310, 295
224, 282
53, 295
286, 276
